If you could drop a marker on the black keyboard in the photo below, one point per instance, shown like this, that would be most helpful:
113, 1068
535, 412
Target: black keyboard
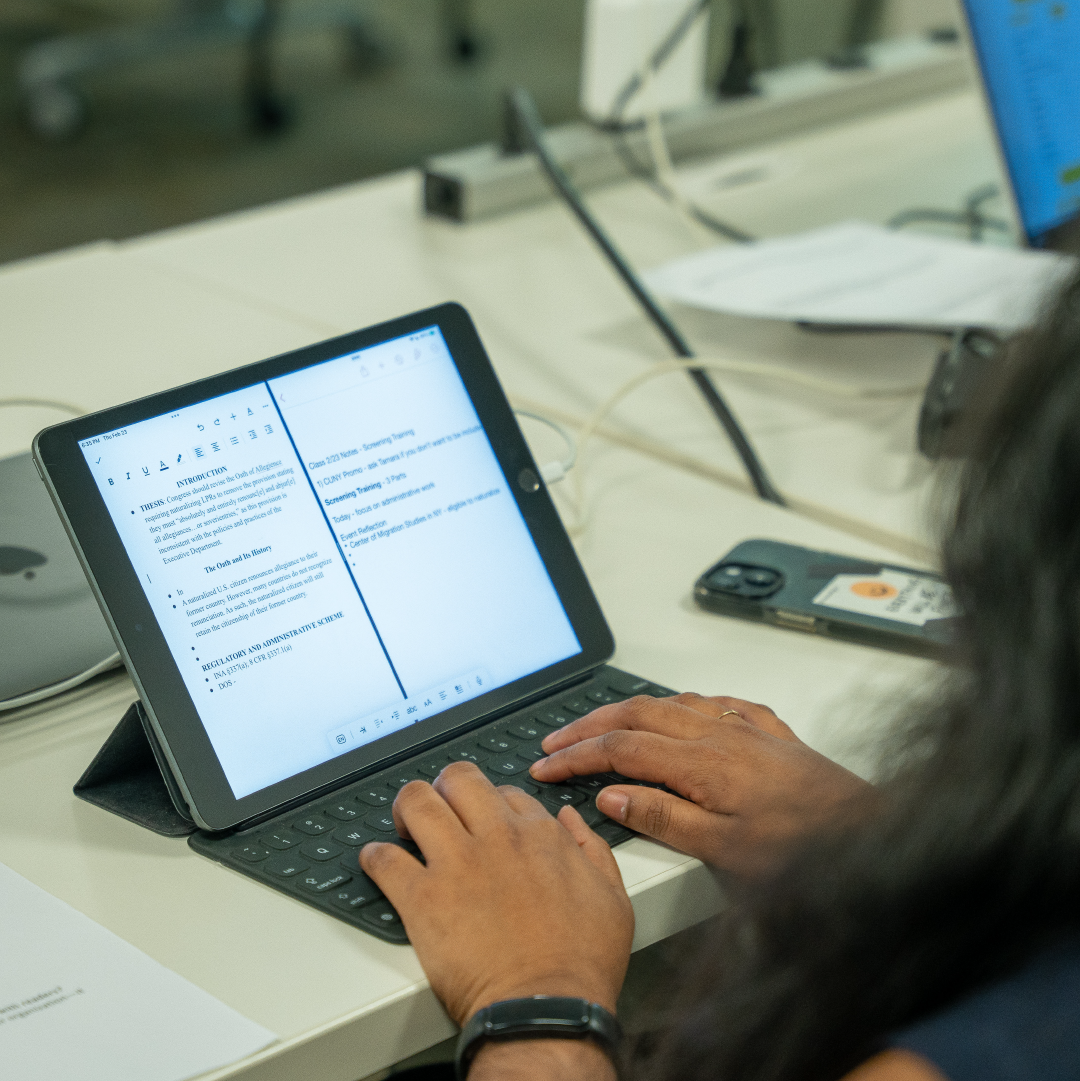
311, 853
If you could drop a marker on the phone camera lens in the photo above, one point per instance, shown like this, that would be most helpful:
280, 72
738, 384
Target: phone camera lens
749, 582
760, 578
728, 578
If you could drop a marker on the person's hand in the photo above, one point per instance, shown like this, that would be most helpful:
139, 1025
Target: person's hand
511, 902
750, 785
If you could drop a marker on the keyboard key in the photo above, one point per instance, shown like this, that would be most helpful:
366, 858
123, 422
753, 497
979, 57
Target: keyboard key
375, 797
525, 786
285, 866
560, 796
251, 853
361, 891
432, 767
397, 781
343, 812
402, 842
593, 784
353, 836
554, 719
467, 754
627, 685
506, 767
592, 814
612, 832
313, 825
530, 754
579, 705
383, 821
498, 743
323, 879
320, 850
381, 914
280, 839
603, 697
526, 730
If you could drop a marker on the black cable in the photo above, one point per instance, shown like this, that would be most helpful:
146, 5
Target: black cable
531, 126
971, 216
658, 59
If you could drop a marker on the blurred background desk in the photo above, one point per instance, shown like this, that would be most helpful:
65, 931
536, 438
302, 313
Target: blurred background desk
564, 334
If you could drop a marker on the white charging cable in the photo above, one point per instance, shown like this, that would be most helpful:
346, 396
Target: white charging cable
8, 704
554, 471
59, 688
666, 367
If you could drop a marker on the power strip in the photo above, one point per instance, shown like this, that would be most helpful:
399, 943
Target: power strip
485, 181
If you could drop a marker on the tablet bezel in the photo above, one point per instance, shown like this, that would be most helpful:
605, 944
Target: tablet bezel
142, 644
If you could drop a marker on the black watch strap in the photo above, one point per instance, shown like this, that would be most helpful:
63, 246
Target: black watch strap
539, 1017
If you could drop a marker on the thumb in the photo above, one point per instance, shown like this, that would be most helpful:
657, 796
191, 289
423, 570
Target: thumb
662, 816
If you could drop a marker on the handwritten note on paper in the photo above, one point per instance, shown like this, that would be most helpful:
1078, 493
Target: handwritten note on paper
861, 274
76, 1001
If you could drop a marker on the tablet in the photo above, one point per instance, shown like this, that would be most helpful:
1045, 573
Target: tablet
322, 563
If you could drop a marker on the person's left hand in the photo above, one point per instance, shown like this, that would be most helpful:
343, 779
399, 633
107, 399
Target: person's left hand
511, 902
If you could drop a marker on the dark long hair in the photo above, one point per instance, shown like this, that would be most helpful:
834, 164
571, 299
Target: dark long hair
970, 862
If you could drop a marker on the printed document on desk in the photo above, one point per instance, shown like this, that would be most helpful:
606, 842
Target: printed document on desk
861, 274
78, 1002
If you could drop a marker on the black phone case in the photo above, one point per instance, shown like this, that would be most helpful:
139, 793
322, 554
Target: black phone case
802, 574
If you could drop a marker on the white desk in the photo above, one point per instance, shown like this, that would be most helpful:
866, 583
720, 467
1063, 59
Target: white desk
111, 322
345, 1003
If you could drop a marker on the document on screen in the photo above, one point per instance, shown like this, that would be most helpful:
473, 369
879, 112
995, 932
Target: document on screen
332, 555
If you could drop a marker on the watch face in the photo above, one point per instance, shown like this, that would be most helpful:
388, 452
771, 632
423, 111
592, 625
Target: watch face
541, 1015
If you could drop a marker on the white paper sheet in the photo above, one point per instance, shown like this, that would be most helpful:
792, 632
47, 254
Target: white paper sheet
862, 274
76, 1001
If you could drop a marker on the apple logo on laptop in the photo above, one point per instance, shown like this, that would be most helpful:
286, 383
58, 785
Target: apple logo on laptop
15, 560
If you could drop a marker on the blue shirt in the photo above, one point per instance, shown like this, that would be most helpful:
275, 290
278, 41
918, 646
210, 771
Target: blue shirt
1025, 1028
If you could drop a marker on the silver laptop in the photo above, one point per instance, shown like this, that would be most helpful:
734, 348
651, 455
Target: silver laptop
50, 624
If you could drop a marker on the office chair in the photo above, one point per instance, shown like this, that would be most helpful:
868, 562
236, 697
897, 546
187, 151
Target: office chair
55, 108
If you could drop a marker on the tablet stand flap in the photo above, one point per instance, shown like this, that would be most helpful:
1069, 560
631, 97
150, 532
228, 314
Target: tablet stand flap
124, 778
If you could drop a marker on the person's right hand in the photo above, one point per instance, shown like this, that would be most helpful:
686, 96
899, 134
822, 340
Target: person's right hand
750, 785
509, 902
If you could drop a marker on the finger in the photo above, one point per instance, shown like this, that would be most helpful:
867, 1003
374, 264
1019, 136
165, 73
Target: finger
520, 802
663, 817
422, 815
764, 718
471, 796
645, 756
677, 717
390, 867
595, 848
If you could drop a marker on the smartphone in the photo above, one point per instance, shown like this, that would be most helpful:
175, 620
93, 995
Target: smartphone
858, 600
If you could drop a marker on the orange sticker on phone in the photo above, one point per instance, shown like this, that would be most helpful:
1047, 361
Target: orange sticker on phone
879, 591
896, 594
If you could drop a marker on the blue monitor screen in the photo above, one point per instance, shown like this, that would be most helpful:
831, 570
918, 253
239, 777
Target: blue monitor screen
1029, 53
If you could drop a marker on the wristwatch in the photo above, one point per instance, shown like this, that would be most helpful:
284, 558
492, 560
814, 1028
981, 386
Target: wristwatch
539, 1017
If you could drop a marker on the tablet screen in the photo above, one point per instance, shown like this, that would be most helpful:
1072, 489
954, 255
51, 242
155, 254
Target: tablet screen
332, 555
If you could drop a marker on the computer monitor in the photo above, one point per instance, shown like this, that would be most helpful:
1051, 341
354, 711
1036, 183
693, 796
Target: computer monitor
1028, 54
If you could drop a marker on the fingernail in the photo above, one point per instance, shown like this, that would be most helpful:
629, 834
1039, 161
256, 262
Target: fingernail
613, 804
538, 767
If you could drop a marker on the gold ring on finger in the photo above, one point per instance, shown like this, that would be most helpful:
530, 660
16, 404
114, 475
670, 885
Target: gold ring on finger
727, 712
